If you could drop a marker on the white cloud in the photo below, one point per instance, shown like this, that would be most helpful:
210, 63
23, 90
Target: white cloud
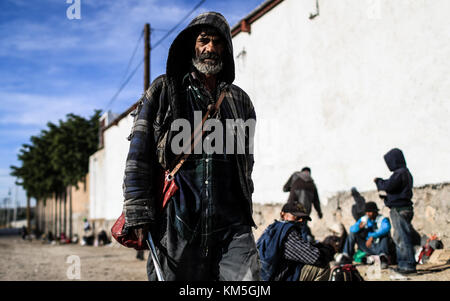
109, 34
38, 109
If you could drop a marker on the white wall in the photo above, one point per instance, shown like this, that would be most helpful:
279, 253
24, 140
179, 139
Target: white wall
337, 92
107, 167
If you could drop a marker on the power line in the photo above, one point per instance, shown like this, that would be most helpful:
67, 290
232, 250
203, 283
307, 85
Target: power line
159, 29
123, 85
179, 23
126, 71
151, 48
132, 56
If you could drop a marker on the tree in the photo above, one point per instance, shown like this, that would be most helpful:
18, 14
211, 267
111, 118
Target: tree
57, 158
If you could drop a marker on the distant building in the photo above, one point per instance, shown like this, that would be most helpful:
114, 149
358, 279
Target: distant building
57, 216
107, 169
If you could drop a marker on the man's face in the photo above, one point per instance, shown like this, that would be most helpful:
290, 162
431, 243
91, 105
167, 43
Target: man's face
371, 215
289, 217
306, 172
208, 53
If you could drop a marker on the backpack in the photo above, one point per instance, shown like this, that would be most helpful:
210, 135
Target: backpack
269, 247
345, 272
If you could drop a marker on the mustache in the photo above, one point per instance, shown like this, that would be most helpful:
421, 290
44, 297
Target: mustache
209, 55
208, 67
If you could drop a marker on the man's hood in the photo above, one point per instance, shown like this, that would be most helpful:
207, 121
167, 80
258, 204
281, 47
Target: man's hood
182, 51
394, 159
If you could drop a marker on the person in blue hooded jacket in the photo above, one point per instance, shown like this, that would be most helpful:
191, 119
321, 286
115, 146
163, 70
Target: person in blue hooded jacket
398, 197
371, 234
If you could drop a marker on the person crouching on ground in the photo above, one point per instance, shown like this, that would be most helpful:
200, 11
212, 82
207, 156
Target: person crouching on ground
371, 234
286, 255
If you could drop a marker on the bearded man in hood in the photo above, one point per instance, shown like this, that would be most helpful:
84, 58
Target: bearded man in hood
204, 232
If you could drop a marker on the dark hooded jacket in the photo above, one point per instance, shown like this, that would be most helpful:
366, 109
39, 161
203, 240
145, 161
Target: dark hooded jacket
150, 151
358, 209
399, 186
302, 189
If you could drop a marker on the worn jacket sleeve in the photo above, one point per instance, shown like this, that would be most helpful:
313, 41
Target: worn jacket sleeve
355, 227
391, 184
384, 229
250, 144
287, 186
316, 202
297, 249
140, 172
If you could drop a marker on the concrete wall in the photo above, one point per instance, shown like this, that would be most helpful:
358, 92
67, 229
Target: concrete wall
431, 212
107, 167
337, 92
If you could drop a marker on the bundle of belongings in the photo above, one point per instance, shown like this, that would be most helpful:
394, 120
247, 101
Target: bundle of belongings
428, 245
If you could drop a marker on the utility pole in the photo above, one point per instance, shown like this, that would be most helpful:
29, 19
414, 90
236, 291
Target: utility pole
70, 212
146, 56
16, 207
28, 216
5, 208
8, 222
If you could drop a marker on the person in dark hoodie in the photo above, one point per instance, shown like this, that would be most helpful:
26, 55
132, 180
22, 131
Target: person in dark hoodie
358, 209
303, 190
399, 192
204, 232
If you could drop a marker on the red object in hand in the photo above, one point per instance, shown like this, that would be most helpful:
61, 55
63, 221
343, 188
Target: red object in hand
129, 239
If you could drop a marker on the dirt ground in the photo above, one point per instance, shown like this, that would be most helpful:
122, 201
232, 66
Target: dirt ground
25, 260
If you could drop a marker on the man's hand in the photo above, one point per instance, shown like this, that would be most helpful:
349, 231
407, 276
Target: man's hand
141, 231
361, 225
369, 242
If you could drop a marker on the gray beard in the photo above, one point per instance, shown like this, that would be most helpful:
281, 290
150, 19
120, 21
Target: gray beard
207, 69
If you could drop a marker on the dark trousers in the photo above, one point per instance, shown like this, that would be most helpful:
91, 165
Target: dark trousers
404, 237
232, 257
380, 248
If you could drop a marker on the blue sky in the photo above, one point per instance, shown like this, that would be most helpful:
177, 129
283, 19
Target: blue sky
51, 66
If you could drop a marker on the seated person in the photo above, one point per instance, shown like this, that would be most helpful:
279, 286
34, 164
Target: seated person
371, 234
286, 255
102, 238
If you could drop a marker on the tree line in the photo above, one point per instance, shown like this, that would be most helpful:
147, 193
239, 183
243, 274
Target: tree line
56, 159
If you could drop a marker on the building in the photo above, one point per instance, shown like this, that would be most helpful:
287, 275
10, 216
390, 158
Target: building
64, 214
336, 84
107, 168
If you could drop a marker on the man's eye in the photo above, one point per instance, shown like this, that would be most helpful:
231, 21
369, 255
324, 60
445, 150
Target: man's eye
204, 41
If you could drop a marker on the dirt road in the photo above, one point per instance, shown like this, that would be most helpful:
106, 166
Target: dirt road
24, 260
